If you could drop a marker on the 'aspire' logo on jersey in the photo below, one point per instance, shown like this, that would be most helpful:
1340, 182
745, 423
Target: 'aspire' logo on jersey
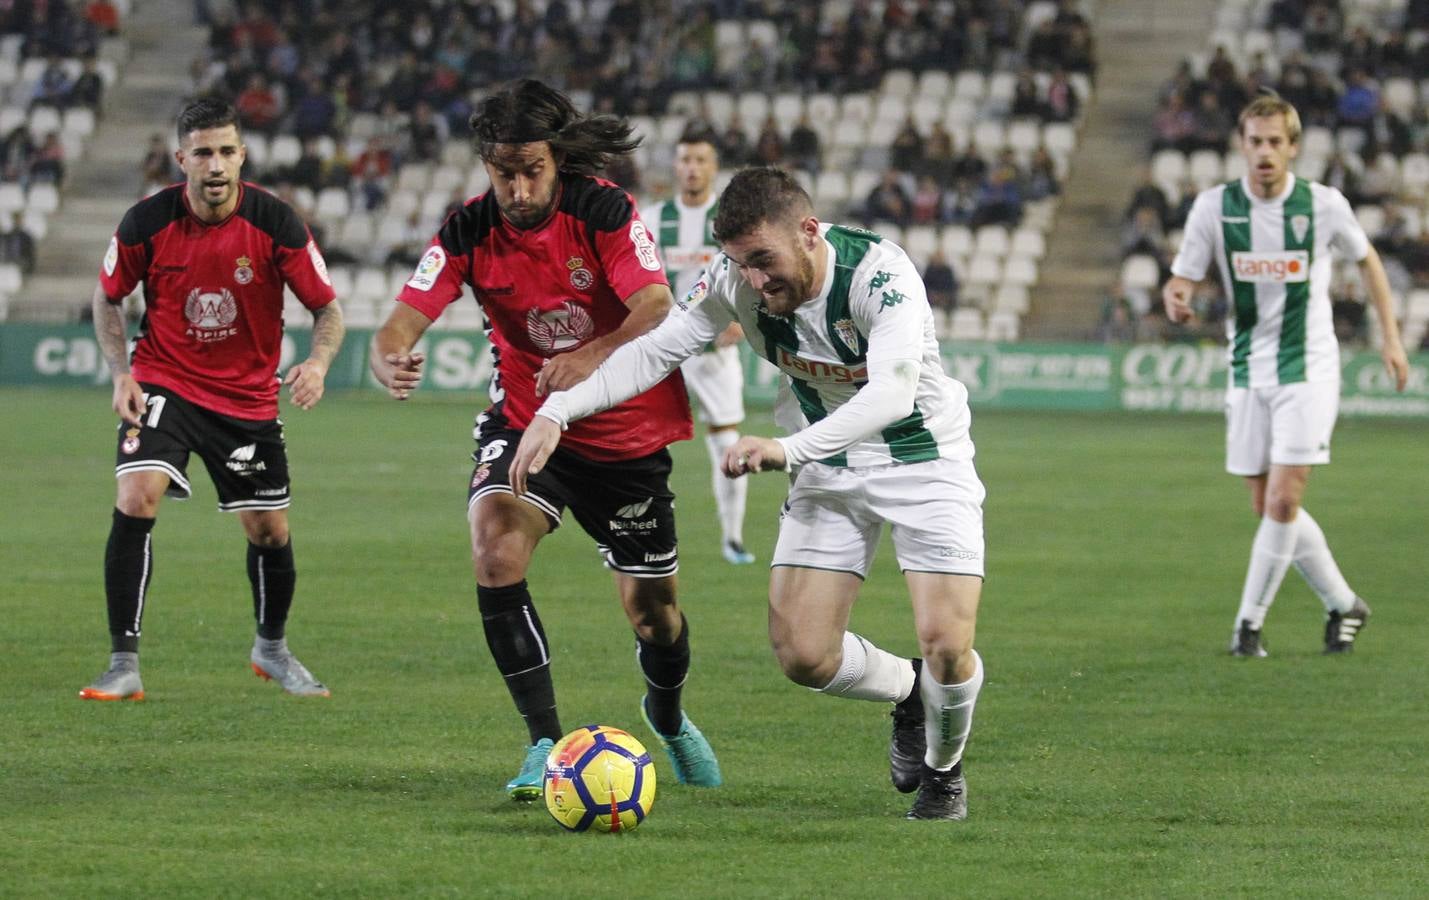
210, 313
1280, 267
818, 371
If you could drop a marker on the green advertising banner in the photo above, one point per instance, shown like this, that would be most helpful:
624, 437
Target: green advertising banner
1150, 377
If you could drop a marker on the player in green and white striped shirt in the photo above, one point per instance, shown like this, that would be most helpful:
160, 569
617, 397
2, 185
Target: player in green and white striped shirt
878, 433
682, 229
1271, 235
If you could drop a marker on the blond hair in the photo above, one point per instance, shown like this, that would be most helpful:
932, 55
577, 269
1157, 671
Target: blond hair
1268, 105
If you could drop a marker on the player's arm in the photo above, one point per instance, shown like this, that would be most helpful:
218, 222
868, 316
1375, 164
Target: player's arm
393, 362
1396, 361
648, 307
1192, 260
632, 369
307, 379
113, 338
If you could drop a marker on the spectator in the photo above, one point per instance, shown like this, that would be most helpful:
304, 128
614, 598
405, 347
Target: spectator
1062, 102
998, 200
1213, 124
428, 132
258, 106
308, 170
315, 110
88, 88
52, 88
734, 149
1360, 101
103, 15
1118, 318
888, 201
927, 204
1148, 193
1144, 234
804, 146
906, 151
16, 244
1175, 125
49, 162
1041, 179
769, 146
156, 169
941, 282
371, 173
1026, 99
17, 151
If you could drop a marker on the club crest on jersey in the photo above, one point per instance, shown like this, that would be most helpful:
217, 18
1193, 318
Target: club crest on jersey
319, 264
131, 442
581, 277
210, 314
428, 268
557, 330
644, 247
1299, 226
244, 271
846, 333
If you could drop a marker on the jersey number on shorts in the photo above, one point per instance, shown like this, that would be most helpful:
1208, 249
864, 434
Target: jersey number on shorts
492, 450
156, 409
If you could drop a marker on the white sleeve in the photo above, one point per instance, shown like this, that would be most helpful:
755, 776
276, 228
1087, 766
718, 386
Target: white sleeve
1349, 237
1198, 241
895, 329
641, 364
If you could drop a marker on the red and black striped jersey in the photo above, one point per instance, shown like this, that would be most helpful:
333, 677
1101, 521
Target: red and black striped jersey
551, 289
213, 295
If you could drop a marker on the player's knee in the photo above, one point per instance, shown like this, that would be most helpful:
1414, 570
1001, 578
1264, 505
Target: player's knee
268, 532
1281, 507
804, 664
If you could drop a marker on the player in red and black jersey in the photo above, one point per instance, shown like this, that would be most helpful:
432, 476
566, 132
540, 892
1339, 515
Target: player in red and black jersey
213, 255
565, 272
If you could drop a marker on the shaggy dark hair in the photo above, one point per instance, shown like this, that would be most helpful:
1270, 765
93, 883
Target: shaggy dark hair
758, 195
529, 111
204, 113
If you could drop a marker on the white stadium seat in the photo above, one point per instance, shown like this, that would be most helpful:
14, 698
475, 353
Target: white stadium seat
1002, 325
992, 240
966, 325
1140, 272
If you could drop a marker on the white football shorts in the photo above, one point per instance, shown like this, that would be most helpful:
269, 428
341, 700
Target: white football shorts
834, 515
1282, 425
717, 381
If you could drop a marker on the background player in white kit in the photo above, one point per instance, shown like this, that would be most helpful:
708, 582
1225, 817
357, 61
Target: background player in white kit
1270, 234
877, 433
682, 231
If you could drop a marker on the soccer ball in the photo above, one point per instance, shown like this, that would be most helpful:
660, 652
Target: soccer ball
599, 778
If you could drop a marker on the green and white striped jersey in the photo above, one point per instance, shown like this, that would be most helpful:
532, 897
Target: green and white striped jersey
683, 234
1275, 261
872, 315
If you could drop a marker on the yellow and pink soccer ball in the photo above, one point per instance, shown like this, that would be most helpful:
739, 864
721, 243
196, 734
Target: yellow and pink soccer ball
599, 778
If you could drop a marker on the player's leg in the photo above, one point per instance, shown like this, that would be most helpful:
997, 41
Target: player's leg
935, 510
272, 579
504, 535
150, 461
1248, 443
716, 380
945, 613
628, 508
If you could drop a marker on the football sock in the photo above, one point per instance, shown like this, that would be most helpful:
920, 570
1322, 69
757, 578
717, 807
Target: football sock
518, 646
665, 671
128, 563
1316, 565
1269, 559
729, 493
272, 576
949, 716
868, 673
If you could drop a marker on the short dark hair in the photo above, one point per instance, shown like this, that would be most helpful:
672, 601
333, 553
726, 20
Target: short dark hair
206, 112
529, 110
698, 131
757, 195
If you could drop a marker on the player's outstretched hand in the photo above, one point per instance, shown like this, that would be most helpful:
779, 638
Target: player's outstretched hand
400, 373
1396, 363
565, 371
128, 399
753, 454
538, 442
305, 383
1176, 295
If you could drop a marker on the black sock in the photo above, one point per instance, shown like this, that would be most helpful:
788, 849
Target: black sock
128, 564
273, 578
518, 645
915, 696
665, 669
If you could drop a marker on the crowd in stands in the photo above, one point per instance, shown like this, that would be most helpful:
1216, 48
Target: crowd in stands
368, 88
1352, 70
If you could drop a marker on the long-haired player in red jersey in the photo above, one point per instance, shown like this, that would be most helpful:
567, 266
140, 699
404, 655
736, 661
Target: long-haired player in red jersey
213, 255
565, 272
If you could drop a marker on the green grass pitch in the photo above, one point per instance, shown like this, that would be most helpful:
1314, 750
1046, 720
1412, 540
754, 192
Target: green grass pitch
1117, 751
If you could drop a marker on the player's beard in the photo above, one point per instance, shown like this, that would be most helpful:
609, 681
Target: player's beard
524, 217
792, 292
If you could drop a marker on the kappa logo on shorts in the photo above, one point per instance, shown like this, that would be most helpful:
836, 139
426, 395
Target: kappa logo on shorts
955, 553
240, 461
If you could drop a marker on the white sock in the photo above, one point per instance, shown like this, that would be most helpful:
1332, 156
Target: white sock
949, 711
1270, 555
729, 493
868, 673
1316, 565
